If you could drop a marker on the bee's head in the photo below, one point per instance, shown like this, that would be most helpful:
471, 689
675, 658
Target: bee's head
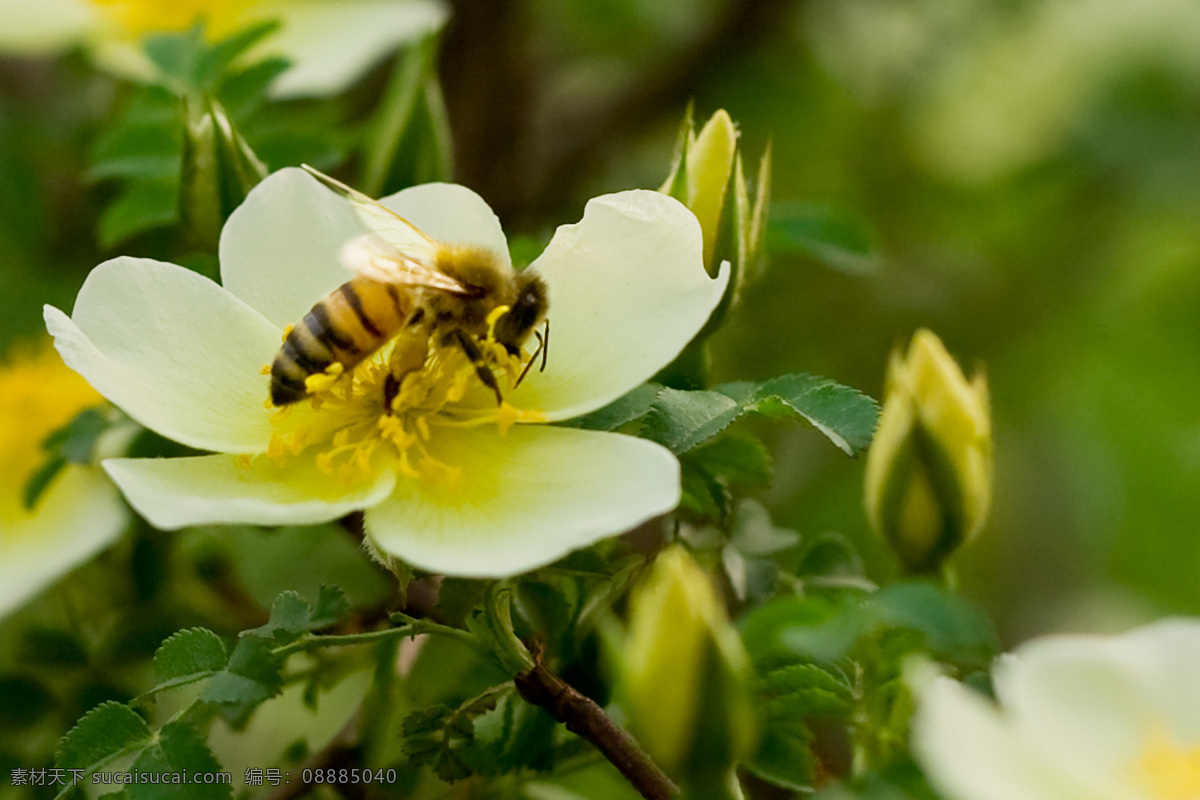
528, 308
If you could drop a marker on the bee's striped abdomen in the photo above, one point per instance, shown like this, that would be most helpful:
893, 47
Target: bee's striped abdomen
346, 326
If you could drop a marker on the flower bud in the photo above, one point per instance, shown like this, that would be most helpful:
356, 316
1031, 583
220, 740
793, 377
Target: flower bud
685, 674
708, 178
929, 469
219, 169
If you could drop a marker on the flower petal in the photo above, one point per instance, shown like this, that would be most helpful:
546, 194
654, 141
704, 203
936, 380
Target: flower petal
174, 350
332, 42
176, 492
968, 752
1089, 701
627, 291
279, 249
452, 214
33, 27
525, 499
78, 516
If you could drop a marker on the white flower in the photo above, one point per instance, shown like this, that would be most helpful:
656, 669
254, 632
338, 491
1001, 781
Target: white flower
79, 514
453, 487
329, 42
1079, 718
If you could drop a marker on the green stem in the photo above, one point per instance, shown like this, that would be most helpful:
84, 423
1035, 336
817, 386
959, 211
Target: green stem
511, 651
411, 628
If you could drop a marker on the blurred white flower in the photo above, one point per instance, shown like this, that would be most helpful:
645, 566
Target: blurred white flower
1076, 718
79, 513
450, 482
329, 43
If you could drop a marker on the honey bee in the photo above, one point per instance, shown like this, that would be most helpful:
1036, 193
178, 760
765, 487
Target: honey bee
406, 283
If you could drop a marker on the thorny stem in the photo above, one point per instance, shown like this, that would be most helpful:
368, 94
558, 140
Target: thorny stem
540, 687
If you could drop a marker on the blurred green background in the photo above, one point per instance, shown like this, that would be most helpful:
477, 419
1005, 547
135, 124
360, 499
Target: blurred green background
1022, 177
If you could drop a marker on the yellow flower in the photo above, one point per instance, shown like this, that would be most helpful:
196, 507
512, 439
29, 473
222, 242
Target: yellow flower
328, 42
929, 469
80, 513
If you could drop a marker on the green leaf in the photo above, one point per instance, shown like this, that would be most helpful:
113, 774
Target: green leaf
190, 652
815, 627
836, 238
180, 751
681, 420
846, 416
40, 481
802, 688
634, 405
213, 62
105, 732
138, 150
331, 607
253, 674
291, 616
458, 597
953, 628
785, 757
397, 113
142, 205
76, 440
702, 493
738, 458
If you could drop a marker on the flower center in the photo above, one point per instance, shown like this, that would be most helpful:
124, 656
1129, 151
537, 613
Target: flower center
1170, 770
38, 395
138, 17
389, 410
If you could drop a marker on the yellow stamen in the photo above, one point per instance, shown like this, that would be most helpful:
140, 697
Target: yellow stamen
1169, 769
350, 433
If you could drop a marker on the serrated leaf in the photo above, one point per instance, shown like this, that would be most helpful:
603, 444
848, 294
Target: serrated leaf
633, 405
457, 597
253, 674
331, 607
845, 415
681, 420
805, 688
290, 615
107, 731
179, 751
190, 652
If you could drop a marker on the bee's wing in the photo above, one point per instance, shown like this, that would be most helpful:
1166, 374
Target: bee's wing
393, 250
374, 257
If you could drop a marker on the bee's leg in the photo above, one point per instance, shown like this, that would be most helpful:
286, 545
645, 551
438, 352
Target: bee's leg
528, 364
476, 358
544, 344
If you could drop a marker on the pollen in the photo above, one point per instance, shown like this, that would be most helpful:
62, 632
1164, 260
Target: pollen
391, 410
1169, 769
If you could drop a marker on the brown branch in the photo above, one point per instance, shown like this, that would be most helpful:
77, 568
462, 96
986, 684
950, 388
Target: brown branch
540, 687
